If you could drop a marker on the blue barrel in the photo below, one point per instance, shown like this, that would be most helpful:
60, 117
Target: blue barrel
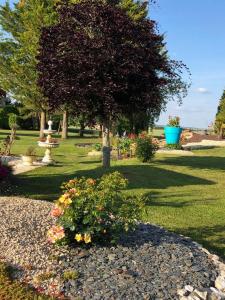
172, 134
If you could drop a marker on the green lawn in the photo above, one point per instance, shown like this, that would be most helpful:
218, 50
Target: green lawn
187, 193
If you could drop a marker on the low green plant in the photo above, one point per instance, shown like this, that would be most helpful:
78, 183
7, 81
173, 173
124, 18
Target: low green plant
70, 275
124, 144
173, 146
174, 121
30, 151
145, 148
97, 147
95, 210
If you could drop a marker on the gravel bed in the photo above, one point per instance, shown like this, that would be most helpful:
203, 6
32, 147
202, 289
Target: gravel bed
150, 263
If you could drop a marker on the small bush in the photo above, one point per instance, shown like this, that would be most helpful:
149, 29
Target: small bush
5, 171
97, 147
70, 275
124, 144
31, 151
94, 210
146, 148
4, 115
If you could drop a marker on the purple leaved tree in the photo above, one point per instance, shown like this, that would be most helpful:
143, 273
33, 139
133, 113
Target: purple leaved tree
98, 62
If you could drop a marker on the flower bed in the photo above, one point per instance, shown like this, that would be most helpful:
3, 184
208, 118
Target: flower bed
147, 263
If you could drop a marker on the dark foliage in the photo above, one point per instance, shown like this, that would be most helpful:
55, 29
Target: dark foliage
2, 93
98, 61
5, 172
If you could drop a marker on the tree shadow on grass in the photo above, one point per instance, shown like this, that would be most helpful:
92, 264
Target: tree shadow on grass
149, 176
47, 186
28, 134
195, 162
175, 200
211, 237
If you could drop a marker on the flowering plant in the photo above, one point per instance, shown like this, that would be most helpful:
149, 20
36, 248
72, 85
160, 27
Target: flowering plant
146, 147
94, 210
174, 121
124, 144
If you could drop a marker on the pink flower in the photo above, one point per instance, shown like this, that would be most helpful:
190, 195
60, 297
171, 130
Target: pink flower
56, 212
55, 234
73, 191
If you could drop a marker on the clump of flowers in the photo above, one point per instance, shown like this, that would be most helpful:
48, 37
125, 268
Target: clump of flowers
174, 121
55, 234
91, 211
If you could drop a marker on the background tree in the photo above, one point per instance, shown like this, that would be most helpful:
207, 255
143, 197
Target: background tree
19, 41
220, 116
100, 62
21, 25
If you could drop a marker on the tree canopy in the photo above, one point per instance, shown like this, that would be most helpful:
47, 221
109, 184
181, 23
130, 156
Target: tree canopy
21, 26
100, 62
97, 60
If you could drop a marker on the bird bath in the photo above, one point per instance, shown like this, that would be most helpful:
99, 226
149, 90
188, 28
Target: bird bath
48, 144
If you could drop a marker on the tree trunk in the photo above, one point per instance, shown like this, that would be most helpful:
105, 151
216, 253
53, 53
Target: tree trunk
65, 125
100, 131
106, 145
82, 127
42, 123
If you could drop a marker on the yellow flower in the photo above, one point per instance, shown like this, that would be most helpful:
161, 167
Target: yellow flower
87, 238
79, 237
65, 200
62, 199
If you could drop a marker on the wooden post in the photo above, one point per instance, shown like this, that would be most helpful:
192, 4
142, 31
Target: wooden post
106, 145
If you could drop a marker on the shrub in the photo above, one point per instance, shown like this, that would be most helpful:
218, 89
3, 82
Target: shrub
5, 171
94, 210
124, 144
97, 147
146, 148
31, 151
4, 115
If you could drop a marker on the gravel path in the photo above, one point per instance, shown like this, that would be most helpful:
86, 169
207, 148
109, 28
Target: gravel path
150, 263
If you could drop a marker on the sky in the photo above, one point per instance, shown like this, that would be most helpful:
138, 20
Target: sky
194, 32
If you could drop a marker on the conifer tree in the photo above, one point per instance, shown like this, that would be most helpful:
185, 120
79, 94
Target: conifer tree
220, 116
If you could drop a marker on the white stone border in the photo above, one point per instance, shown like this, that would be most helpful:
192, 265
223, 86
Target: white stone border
216, 292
